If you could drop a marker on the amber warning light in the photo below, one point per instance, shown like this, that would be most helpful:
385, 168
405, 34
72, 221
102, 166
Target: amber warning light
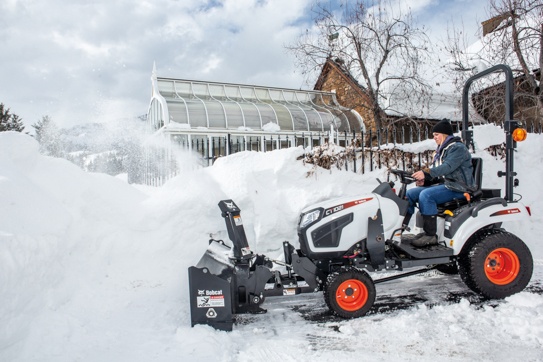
519, 134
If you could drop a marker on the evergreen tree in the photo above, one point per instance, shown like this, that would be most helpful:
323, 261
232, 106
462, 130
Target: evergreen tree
8, 121
47, 134
39, 127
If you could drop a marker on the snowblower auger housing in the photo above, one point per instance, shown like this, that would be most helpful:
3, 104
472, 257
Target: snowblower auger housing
225, 281
343, 240
233, 280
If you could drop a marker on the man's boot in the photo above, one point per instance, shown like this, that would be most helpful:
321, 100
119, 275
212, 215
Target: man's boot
428, 237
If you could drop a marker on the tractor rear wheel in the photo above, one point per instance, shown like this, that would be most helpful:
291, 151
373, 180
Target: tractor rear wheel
496, 265
349, 294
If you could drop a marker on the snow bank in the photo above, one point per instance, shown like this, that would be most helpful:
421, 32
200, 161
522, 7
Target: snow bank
94, 269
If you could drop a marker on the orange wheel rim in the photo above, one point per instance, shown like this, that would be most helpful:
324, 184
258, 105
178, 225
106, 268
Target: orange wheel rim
351, 295
502, 266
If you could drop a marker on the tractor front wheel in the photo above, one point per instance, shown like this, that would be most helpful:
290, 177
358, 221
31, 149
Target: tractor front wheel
349, 294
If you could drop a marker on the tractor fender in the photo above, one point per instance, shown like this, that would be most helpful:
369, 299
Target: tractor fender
460, 227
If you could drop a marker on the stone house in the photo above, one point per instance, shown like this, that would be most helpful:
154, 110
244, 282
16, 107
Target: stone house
490, 103
336, 78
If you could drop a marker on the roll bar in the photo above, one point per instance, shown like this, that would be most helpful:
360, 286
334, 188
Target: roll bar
509, 124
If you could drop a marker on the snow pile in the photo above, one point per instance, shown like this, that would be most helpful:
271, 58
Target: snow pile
94, 269
271, 127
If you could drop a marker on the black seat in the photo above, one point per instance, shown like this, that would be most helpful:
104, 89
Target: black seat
477, 164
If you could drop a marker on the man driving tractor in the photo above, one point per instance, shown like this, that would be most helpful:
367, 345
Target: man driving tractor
448, 178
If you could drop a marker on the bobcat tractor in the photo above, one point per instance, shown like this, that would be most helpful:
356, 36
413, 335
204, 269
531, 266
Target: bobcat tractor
343, 241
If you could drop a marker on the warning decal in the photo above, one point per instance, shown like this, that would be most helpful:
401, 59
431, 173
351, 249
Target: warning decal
237, 220
210, 301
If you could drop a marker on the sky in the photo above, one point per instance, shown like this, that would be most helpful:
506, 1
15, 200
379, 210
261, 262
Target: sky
94, 269
91, 61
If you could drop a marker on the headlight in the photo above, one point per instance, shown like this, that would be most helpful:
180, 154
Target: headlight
309, 218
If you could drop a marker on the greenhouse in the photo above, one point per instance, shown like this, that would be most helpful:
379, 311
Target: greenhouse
216, 119
178, 103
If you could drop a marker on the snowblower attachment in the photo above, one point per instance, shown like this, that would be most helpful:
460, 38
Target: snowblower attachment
227, 280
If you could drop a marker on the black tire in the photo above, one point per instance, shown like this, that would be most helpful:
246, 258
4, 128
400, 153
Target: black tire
349, 294
450, 269
463, 257
496, 265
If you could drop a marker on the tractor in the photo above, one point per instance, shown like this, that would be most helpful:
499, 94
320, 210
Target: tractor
342, 241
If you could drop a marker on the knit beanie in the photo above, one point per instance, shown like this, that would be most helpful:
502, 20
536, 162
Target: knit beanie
443, 127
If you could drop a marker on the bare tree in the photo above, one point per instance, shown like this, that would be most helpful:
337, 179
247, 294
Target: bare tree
520, 43
379, 45
513, 35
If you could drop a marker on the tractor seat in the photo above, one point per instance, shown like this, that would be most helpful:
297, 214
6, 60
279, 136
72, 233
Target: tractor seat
477, 164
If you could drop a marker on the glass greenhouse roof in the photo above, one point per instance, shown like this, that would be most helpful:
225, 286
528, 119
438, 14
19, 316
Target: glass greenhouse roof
196, 104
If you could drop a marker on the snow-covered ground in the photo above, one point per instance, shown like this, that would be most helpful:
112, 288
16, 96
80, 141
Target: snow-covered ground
94, 269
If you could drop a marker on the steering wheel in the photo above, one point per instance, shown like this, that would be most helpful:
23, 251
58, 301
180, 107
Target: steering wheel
405, 176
